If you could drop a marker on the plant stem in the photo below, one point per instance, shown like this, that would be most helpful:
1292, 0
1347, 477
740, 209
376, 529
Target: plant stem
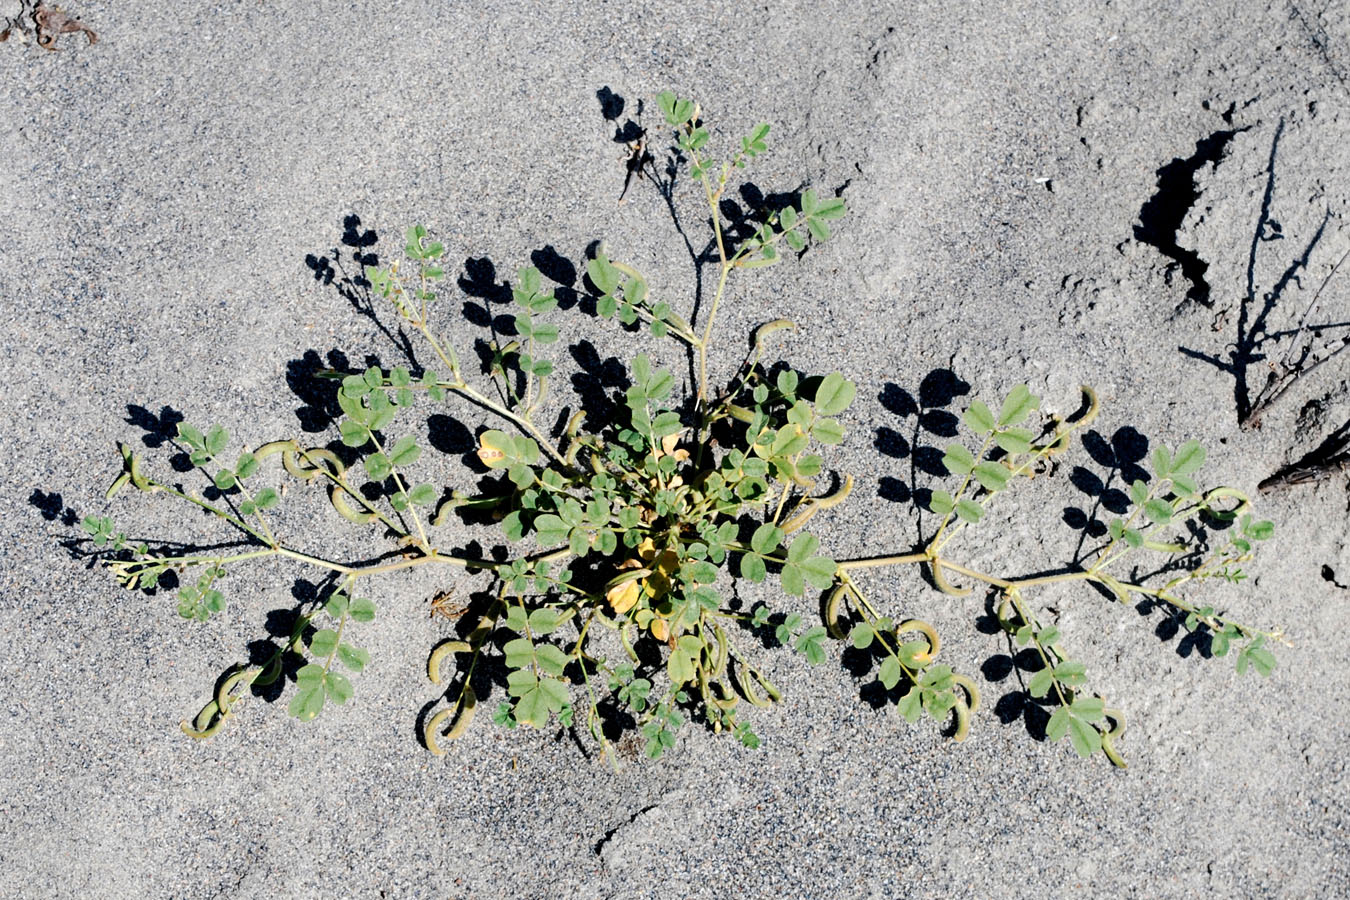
403, 489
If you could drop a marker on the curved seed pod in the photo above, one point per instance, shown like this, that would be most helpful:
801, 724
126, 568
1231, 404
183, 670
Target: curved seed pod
832, 610
447, 506
1108, 747
928, 631
573, 445
443, 649
627, 645
813, 505
543, 392
769, 688
1114, 586
201, 734
739, 413
269, 673
486, 623
118, 483
429, 733
338, 497
962, 713
808, 508
271, 448
935, 567
1220, 493
138, 479
1110, 737
1060, 443
759, 334
679, 322
303, 468
638, 291
834, 499
337, 467
468, 703
724, 697
747, 690
719, 665
223, 692
1005, 613
574, 423
972, 692
208, 712
291, 463
1093, 406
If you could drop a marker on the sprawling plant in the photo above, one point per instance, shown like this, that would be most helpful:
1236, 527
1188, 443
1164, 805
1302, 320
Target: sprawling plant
616, 607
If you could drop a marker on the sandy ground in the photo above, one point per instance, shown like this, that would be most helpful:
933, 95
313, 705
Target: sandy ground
1046, 192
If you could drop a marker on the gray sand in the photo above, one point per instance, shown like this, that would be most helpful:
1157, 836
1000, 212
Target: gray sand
161, 191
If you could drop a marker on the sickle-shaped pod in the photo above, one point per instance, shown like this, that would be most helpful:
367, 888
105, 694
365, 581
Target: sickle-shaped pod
832, 605
1109, 738
759, 334
463, 712
812, 505
337, 495
910, 626
972, 692
226, 686
719, 661
962, 713
439, 653
745, 679
935, 568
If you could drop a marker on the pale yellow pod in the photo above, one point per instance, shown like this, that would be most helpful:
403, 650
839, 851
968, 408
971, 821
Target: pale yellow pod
338, 497
118, 483
1109, 739
223, 692
972, 692
200, 734
743, 681
769, 688
204, 717
832, 610
928, 631
1094, 405
291, 463
138, 479
438, 654
270, 672
834, 499
303, 469
803, 515
739, 413
942, 583
723, 652
724, 697
468, 703
962, 721
271, 448
429, 733
1115, 587
759, 334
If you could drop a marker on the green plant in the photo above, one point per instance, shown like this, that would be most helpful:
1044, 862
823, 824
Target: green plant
633, 527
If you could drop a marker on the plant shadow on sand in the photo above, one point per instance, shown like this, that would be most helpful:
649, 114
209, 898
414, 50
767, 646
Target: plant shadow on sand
927, 421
